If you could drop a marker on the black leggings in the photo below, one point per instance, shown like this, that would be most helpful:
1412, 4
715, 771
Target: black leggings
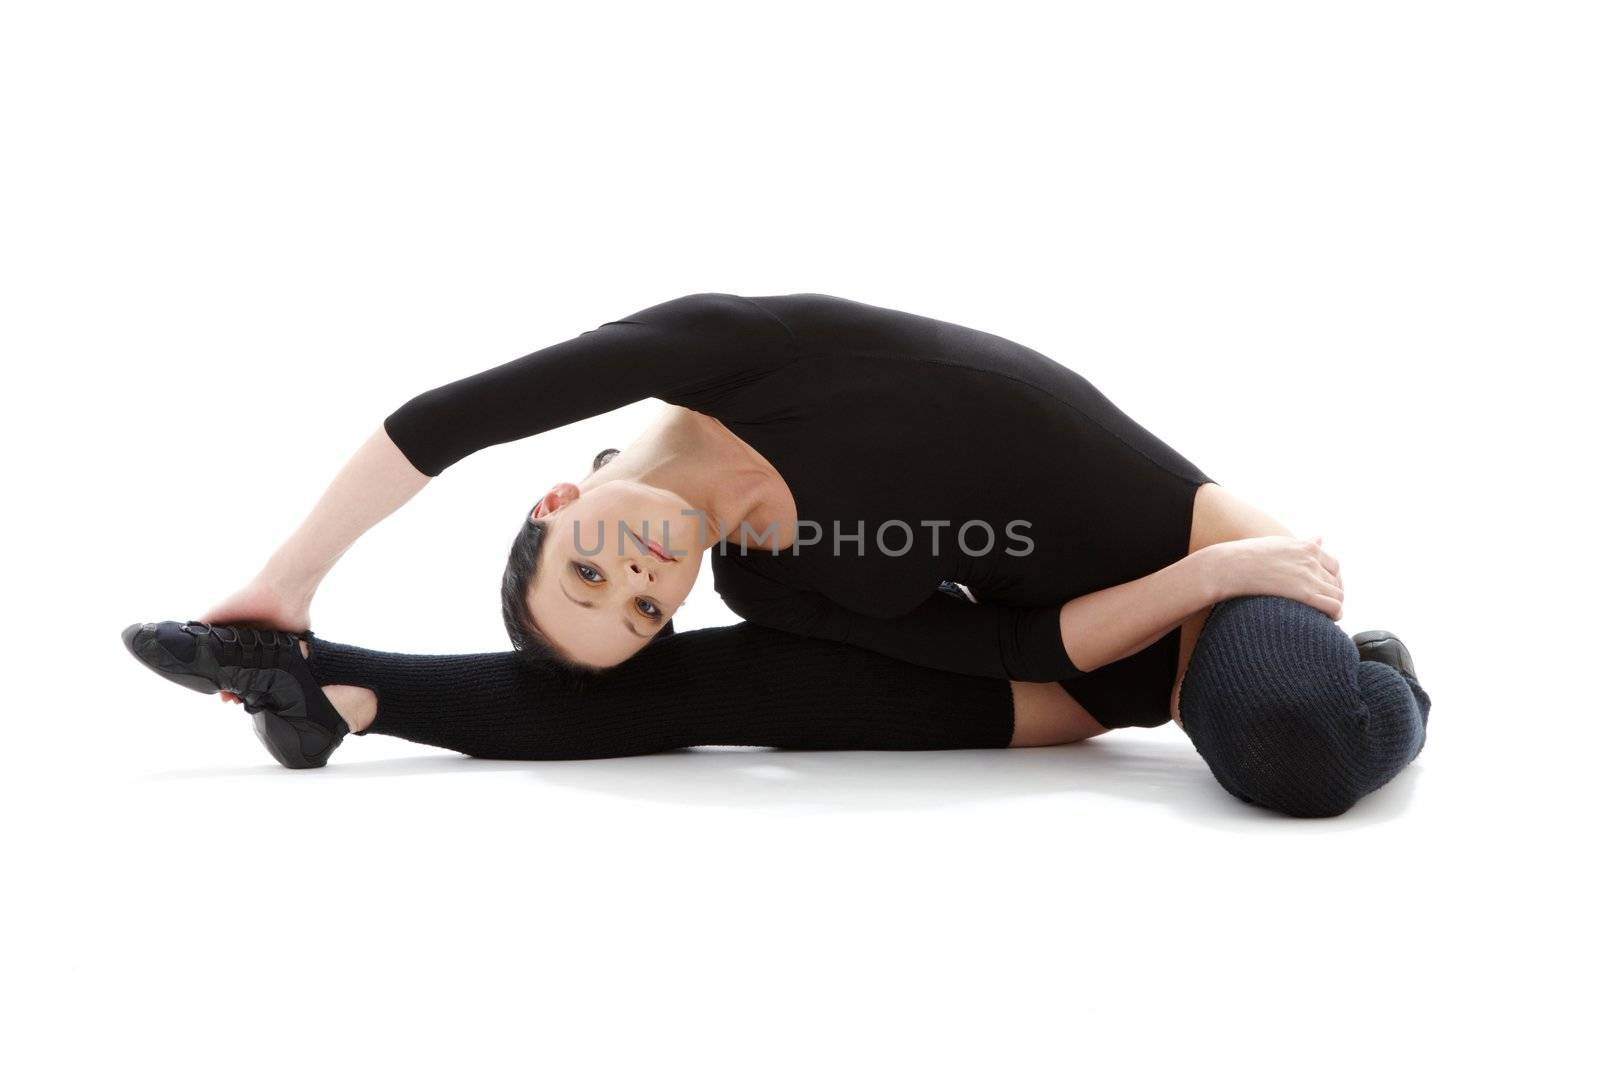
1287, 716
722, 685
1274, 700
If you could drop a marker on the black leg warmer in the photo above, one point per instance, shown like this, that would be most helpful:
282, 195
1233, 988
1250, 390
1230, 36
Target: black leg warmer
1285, 714
727, 685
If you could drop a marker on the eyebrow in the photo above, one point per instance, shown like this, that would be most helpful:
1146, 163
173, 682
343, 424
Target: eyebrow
590, 604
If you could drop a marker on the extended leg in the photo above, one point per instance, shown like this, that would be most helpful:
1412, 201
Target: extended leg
1285, 714
729, 685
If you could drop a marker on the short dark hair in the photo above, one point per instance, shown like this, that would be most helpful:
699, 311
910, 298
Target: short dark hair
527, 639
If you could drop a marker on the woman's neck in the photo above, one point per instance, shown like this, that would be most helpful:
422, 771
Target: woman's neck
698, 459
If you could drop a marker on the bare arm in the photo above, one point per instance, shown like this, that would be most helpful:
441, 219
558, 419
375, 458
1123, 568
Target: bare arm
1110, 624
372, 485
368, 489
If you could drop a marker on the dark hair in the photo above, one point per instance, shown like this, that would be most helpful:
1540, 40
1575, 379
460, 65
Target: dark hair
527, 639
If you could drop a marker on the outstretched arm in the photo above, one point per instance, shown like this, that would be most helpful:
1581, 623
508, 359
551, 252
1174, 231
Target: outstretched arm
371, 486
692, 345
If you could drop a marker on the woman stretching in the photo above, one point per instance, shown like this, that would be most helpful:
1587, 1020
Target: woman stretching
942, 539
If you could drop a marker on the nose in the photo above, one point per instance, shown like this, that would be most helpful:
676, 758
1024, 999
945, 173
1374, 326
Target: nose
639, 577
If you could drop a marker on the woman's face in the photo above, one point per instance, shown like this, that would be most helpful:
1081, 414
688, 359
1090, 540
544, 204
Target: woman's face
617, 561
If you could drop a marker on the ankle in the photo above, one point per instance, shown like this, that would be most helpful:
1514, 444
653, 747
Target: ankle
358, 707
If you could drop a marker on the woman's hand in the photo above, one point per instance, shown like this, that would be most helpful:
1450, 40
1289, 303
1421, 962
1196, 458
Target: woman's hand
1280, 566
264, 606
371, 485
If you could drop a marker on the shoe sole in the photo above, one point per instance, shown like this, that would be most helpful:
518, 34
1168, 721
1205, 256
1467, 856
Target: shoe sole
286, 743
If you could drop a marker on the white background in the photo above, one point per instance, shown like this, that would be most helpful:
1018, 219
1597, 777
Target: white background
1341, 255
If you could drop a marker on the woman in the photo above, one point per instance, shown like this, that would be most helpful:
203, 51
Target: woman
850, 467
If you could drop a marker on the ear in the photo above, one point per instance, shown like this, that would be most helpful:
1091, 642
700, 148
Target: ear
560, 495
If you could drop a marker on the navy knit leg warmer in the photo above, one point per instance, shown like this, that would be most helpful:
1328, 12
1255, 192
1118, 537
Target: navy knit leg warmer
721, 685
1287, 716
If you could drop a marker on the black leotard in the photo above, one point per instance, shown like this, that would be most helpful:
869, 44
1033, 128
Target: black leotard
884, 423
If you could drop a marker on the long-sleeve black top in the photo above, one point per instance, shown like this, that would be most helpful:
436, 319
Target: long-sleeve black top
918, 435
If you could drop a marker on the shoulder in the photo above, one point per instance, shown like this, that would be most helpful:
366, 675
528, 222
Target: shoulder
714, 316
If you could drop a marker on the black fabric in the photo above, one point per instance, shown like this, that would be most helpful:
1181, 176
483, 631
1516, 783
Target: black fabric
874, 416
727, 685
1287, 716
1133, 691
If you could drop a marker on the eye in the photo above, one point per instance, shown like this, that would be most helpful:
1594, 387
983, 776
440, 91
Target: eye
648, 609
587, 573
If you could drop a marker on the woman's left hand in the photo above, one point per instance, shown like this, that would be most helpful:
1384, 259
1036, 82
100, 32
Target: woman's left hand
1279, 566
263, 605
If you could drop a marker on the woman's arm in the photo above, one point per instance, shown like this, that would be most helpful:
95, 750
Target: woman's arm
1104, 626
368, 489
689, 346
1109, 624
371, 486
1044, 644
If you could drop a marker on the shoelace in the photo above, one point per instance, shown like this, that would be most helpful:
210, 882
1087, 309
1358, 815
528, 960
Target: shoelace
245, 646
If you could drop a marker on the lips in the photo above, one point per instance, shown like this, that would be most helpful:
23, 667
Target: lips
659, 553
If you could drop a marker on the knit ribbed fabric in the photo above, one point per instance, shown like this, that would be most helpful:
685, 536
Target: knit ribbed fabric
1287, 716
728, 685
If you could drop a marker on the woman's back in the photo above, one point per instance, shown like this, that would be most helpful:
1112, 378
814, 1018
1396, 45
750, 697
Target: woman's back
955, 455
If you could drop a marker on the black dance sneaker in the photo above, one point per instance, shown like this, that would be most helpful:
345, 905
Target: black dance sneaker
1381, 646
264, 667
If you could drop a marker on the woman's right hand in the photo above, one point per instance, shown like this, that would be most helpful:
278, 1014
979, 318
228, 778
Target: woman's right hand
1281, 566
262, 605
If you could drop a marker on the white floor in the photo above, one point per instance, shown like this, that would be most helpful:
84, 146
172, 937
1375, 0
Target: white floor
1340, 256
174, 890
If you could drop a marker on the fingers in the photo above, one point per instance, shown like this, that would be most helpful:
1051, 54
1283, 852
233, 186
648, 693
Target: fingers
1332, 578
1327, 562
1331, 589
1331, 606
1327, 593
